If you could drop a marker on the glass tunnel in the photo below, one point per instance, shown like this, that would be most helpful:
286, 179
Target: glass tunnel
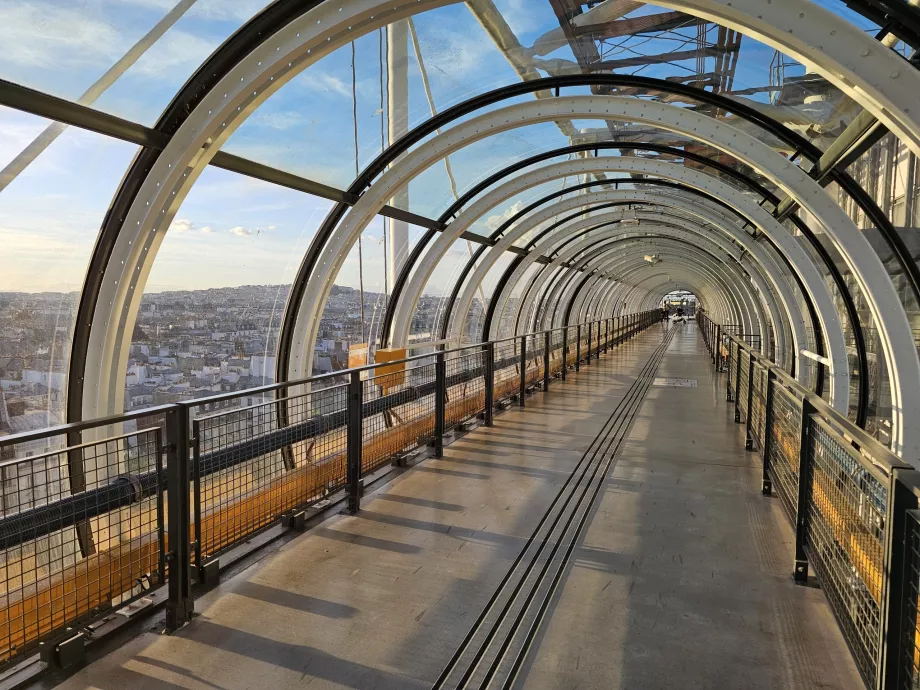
225, 212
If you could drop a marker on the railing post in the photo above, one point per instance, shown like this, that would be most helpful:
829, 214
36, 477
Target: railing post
898, 610
588, 358
565, 351
547, 341
440, 403
578, 349
523, 387
355, 441
748, 424
489, 412
767, 487
179, 605
800, 573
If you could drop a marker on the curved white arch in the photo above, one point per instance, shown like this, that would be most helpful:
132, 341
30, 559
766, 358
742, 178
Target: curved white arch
644, 236
721, 276
813, 281
764, 261
860, 66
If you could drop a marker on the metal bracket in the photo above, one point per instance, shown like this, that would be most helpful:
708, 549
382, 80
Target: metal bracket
65, 654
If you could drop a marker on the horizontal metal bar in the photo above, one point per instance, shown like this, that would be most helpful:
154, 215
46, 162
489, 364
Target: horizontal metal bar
413, 218
61, 110
816, 357
260, 171
675, 56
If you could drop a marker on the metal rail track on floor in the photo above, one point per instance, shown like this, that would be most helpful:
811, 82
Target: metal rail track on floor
495, 649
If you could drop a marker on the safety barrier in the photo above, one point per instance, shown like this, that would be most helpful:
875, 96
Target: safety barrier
99, 513
852, 502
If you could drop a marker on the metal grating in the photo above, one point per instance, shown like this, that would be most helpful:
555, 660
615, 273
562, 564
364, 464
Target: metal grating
507, 369
743, 384
467, 398
394, 431
56, 572
244, 482
910, 634
844, 538
784, 447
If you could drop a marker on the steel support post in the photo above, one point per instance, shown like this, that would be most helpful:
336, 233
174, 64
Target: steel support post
578, 349
588, 358
489, 412
565, 352
523, 387
179, 605
355, 441
898, 612
767, 487
800, 573
748, 421
440, 404
547, 338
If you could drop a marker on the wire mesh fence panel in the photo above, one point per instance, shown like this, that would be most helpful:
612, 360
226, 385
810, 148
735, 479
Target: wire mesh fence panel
572, 341
758, 406
465, 371
784, 447
909, 673
253, 464
534, 364
399, 413
556, 356
81, 530
507, 369
733, 368
844, 539
743, 384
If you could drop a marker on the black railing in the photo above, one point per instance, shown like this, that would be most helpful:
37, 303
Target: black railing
164, 492
853, 504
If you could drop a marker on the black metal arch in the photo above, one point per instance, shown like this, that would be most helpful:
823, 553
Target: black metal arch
604, 247
574, 237
239, 45
376, 167
862, 362
402, 278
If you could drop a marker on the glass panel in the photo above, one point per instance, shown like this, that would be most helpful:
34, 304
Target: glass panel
213, 304
49, 219
127, 58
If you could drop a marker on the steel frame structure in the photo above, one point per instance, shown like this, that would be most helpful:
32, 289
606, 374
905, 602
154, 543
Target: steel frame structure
287, 37
755, 214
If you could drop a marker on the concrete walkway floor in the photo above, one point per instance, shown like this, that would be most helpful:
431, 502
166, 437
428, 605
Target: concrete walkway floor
683, 579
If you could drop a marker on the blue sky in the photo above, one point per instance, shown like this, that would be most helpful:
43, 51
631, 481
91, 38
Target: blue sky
233, 230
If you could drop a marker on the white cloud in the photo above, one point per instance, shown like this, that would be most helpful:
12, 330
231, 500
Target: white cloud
38, 34
181, 225
494, 221
207, 230
281, 120
314, 79
240, 231
177, 51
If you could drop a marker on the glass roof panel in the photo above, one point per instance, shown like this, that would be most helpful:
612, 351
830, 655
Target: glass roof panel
126, 57
454, 56
49, 219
